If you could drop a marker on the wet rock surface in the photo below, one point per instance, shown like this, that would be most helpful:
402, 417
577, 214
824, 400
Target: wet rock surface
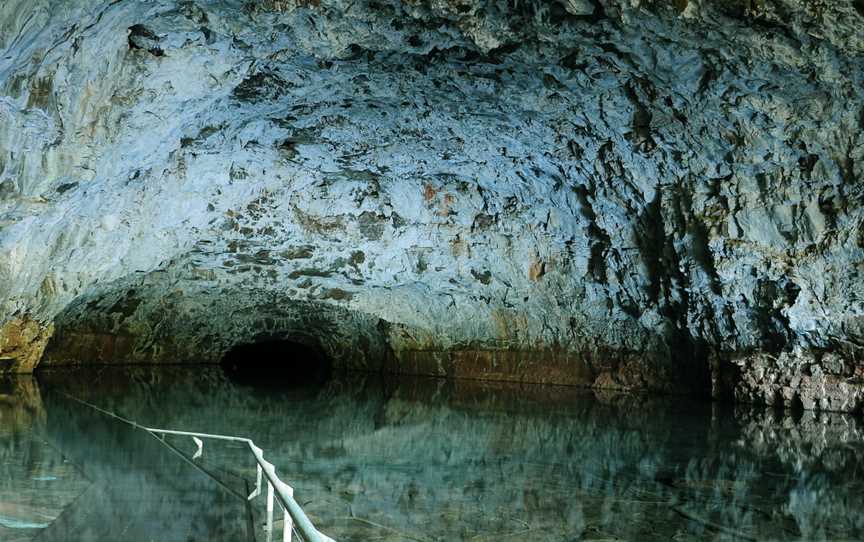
638, 188
22, 343
808, 380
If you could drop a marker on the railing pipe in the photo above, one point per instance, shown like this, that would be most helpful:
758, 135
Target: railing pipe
276, 487
283, 493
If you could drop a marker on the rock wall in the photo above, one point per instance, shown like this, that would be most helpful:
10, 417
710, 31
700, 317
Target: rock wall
626, 194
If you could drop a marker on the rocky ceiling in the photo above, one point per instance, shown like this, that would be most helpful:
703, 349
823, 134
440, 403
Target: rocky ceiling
646, 195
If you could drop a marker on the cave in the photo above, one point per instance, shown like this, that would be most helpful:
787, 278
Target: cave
281, 363
384, 245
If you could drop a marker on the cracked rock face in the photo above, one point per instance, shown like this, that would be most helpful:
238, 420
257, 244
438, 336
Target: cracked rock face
625, 194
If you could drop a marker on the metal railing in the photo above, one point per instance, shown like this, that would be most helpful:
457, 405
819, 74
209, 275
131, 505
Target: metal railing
294, 519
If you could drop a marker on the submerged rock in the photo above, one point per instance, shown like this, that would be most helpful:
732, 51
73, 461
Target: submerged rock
614, 193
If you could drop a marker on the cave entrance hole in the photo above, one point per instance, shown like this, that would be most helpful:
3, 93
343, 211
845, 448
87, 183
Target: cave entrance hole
284, 363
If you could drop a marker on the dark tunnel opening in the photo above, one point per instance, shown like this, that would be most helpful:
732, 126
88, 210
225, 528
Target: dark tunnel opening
277, 363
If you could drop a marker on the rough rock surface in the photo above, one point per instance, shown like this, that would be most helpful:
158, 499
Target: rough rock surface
618, 193
823, 381
22, 343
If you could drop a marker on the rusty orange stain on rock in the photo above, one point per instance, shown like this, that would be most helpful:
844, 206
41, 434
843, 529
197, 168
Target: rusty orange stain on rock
23, 340
537, 270
429, 192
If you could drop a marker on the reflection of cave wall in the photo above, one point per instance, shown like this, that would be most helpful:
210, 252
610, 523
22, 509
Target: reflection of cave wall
623, 194
21, 408
467, 457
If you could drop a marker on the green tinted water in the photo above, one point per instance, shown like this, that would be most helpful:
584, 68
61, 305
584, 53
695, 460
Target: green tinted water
421, 460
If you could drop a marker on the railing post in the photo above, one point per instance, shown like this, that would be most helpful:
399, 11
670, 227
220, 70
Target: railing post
269, 528
288, 524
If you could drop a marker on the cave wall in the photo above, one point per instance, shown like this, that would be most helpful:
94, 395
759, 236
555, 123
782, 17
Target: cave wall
640, 195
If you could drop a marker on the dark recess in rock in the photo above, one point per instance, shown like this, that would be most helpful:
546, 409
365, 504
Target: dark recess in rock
142, 38
281, 363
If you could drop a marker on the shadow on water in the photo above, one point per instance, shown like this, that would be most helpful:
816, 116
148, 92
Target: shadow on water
423, 460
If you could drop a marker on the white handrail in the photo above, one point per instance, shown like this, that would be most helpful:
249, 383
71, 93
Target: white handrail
284, 494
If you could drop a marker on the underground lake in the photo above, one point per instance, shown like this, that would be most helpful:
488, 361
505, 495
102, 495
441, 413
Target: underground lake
416, 459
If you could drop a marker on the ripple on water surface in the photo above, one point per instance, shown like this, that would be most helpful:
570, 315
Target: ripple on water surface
418, 459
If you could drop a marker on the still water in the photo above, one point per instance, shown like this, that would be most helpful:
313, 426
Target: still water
417, 460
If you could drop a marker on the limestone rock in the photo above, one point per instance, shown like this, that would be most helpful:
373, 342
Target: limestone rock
805, 379
634, 185
22, 343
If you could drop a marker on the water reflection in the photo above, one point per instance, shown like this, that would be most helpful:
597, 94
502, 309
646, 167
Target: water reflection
427, 460
36, 481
